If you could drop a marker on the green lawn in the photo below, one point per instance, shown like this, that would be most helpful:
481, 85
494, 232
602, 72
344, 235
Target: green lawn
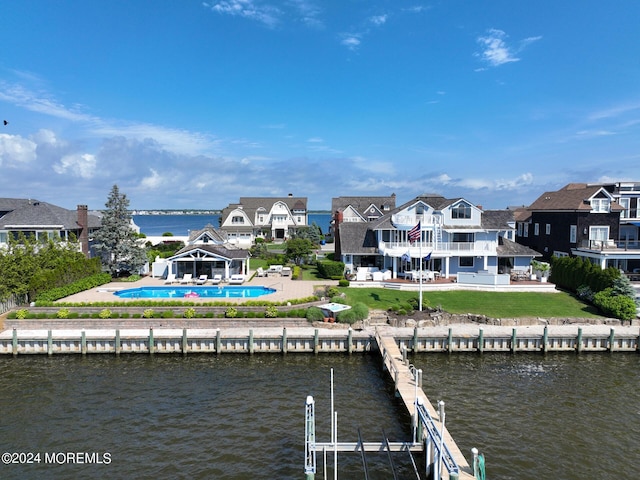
492, 304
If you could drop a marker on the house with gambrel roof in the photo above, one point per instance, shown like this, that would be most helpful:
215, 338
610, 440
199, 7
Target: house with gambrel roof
583, 220
208, 252
454, 237
42, 220
273, 218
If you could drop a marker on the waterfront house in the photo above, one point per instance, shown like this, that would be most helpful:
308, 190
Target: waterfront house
207, 252
271, 218
595, 221
360, 209
42, 220
452, 237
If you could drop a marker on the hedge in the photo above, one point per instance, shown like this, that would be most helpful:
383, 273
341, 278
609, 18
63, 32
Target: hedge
76, 287
330, 269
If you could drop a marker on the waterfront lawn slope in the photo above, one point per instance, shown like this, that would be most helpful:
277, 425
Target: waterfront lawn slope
490, 304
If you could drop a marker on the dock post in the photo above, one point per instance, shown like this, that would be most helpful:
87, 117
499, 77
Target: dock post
151, 341
611, 339
251, 342
350, 341
415, 339
185, 342
450, 340
83, 343
284, 340
118, 345
404, 355
545, 339
480, 341
218, 342
316, 342
14, 342
514, 340
49, 343
579, 341
419, 379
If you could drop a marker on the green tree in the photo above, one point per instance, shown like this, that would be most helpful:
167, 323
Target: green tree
311, 233
116, 240
298, 248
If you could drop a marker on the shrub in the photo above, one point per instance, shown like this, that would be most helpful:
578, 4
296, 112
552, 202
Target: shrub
361, 311
167, 314
618, 306
189, 313
330, 268
22, 314
343, 282
75, 287
105, 313
271, 312
347, 316
231, 312
63, 313
148, 313
314, 314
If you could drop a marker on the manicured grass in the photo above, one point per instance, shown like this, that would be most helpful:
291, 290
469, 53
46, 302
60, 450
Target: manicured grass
492, 304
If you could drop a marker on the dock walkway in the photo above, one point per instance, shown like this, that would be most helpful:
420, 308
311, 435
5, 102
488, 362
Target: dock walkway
408, 389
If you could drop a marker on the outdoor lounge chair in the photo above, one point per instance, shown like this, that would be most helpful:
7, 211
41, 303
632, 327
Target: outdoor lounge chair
260, 272
171, 277
202, 279
186, 278
217, 278
236, 279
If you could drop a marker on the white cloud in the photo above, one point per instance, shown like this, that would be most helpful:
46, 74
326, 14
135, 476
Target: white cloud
495, 51
351, 41
251, 9
315, 140
154, 180
378, 20
15, 149
77, 165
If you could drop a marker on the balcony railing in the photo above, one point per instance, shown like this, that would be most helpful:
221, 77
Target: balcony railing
412, 220
610, 244
468, 248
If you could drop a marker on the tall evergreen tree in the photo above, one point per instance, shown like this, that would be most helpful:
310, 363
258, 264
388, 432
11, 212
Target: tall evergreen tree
116, 240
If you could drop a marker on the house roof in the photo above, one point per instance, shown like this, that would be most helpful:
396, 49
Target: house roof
214, 233
509, 248
36, 214
252, 204
361, 204
218, 251
497, 219
357, 238
571, 197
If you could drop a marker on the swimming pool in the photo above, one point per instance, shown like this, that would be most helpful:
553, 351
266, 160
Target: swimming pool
195, 292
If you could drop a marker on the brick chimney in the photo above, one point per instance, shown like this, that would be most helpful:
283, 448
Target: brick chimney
83, 224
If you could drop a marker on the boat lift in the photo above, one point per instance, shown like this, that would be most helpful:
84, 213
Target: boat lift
427, 438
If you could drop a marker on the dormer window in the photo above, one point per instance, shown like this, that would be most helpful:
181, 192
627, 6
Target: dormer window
461, 210
600, 205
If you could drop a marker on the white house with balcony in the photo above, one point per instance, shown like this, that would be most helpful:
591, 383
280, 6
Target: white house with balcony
271, 218
455, 236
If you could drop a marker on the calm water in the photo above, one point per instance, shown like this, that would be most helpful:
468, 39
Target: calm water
239, 417
153, 225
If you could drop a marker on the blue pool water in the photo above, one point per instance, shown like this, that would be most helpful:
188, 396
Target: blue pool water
194, 292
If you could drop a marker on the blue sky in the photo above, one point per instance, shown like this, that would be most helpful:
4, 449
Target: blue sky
192, 104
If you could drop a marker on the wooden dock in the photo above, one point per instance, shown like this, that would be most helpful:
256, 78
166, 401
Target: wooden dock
408, 389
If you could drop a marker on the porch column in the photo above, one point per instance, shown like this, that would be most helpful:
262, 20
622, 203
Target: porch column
226, 269
446, 267
394, 267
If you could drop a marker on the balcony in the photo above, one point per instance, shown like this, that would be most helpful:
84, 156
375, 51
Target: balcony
410, 221
396, 249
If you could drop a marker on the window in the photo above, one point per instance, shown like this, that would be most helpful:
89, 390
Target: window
519, 229
599, 233
573, 233
526, 230
462, 210
237, 219
624, 203
547, 229
465, 261
463, 237
600, 205
536, 229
